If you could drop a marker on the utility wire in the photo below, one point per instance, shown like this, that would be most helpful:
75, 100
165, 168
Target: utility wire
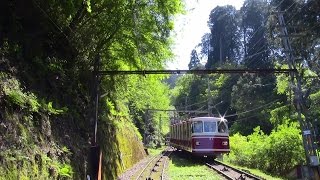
292, 5
300, 10
262, 26
201, 108
236, 114
260, 51
46, 14
196, 103
257, 30
242, 119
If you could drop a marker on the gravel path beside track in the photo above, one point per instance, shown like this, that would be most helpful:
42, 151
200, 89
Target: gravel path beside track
135, 169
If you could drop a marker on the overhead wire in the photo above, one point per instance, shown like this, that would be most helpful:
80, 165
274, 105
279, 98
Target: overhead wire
264, 62
244, 112
291, 6
242, 119
196, 103
300, 10
257, 53
262, 26
206, 100
224, 87
260, 51
263, 37
295, 14
51, 20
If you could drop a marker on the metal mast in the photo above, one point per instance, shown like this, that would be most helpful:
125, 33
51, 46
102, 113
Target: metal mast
308, 143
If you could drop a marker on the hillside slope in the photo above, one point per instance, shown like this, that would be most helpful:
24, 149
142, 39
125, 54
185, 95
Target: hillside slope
38, 141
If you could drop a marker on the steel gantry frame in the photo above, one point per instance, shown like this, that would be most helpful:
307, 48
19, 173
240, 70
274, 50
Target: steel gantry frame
96, 153
202, 71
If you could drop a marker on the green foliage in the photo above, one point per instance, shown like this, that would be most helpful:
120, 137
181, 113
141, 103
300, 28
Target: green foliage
285, 142
56, 61
224, 40
253, 95
156, 151
11, 88
54, 111
33, 102
248, 150
88, 4
190, 90
111, 107
281, 115
66, 150
315, 98
65, 170
183, 168
144, 93
194, 60
32, 165
15, 95
253, 14
262, 151
283, 83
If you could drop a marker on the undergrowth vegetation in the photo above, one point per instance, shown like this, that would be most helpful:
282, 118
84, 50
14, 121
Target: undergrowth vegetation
33, 148
276, 153
53, 107
184, 168
27, 147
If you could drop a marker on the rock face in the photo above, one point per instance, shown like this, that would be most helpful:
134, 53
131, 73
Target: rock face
38, 141
122, 148
29, 148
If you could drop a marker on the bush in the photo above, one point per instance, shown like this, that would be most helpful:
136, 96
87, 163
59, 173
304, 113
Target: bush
65, 170
14, 94
277, 153
285, 149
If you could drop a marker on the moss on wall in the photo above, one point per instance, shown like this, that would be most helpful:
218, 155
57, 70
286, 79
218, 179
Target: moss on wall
121, 145
38, 141
28, 148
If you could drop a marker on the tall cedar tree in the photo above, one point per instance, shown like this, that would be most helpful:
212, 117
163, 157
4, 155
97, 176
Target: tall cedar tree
224, 42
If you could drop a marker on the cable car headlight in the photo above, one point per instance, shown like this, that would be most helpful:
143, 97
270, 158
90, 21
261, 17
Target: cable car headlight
197, 143
225, 143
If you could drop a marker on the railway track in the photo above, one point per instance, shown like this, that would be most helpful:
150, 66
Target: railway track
155, 168
230, 172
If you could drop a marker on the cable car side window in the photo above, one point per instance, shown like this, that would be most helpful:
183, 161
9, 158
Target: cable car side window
197, 127
210, 126
222, 127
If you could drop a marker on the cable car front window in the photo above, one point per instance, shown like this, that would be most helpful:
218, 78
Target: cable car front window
222, 127
197, 127
210, 126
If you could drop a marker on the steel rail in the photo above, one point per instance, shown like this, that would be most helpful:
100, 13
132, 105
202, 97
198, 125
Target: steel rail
234, 169
139, 176
219, 171
155, 157
240, 171
164, 165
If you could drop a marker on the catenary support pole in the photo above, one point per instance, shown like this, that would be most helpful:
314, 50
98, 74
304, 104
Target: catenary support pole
296, 82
